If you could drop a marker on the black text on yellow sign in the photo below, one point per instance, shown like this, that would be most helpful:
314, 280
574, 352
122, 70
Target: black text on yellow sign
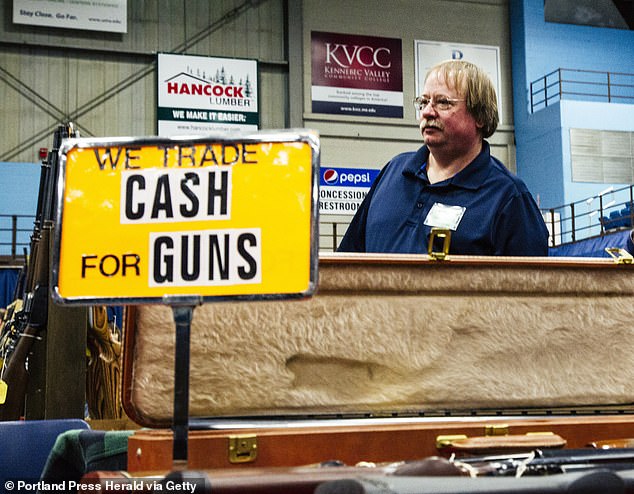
146, 220
175, 195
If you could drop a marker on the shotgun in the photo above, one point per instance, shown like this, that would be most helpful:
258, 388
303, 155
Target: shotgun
28, 321
596, 481
549, 462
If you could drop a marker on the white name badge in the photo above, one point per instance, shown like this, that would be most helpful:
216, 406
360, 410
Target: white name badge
444, 216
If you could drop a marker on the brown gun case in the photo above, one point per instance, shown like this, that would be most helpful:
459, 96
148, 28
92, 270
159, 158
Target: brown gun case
390, 353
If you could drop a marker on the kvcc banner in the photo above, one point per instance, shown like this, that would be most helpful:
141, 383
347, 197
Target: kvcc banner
151, 218
356, 75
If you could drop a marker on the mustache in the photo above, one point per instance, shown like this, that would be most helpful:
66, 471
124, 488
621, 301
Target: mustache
431, 124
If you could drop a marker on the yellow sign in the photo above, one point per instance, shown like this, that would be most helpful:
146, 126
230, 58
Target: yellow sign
145, 219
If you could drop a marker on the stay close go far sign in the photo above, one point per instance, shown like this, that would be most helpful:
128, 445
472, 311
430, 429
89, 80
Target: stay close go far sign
146, 219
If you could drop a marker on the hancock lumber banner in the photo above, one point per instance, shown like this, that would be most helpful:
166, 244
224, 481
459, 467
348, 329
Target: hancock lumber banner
198, 95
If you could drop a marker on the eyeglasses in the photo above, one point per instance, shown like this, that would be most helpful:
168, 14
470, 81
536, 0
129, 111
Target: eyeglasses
440, 103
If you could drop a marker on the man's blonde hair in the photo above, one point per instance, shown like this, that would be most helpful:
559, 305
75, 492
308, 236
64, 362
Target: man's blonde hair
476, 87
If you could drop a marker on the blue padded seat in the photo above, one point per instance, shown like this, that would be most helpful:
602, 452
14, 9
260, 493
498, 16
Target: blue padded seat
26, 444
617, 219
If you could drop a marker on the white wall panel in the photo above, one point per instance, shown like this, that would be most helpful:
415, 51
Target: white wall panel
106, 82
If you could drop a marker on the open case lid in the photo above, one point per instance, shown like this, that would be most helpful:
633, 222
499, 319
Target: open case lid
399, 334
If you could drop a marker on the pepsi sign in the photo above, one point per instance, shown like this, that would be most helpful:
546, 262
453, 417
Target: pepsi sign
329, 177
347, 177
343, 189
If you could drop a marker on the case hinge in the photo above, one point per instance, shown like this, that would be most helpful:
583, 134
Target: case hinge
496, 429
445, 440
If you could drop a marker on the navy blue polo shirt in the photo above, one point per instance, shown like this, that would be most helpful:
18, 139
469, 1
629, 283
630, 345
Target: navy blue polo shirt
490, 210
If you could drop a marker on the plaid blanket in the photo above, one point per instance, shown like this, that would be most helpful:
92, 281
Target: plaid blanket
77, 452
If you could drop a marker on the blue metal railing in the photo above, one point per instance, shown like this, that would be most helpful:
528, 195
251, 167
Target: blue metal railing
609, 211
595, 216
15, 234
585, 85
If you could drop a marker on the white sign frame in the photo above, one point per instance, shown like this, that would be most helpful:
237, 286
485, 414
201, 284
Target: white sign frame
83, 191
429, 53
111, 16
183, 113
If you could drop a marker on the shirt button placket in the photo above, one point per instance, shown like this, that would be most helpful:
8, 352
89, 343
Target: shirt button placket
419, 208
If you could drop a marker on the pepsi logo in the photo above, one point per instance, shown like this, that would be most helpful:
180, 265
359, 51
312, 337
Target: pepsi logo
331, 176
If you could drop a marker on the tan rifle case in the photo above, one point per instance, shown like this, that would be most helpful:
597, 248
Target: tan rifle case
436, 346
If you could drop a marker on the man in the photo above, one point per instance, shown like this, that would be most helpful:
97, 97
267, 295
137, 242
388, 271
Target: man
452, 181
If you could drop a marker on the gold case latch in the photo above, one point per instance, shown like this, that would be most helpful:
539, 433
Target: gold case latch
243, 448
439, 233
621, 256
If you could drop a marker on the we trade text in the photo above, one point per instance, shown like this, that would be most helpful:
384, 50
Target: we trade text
170, 155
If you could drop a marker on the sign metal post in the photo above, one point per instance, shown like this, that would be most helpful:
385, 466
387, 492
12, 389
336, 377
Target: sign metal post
186, 220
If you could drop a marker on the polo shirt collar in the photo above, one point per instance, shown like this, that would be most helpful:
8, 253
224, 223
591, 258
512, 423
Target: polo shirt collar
470, 177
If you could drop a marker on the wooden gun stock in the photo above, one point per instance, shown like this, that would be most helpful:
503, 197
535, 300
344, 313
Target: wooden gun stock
103, 373
29, 323
33, 319
16, 376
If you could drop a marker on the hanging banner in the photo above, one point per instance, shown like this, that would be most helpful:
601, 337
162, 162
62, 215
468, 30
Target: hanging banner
429, 53
150, 218
356, 75
201, 95
111, 16
342, 190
